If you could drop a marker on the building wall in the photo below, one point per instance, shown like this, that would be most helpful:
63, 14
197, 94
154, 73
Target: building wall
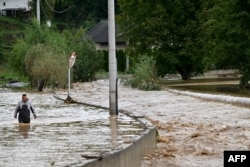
14, 4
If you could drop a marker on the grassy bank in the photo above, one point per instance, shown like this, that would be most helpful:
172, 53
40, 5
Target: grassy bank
7, 75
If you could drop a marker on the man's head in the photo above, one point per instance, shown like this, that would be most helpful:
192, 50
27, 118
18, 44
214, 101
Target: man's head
24, 98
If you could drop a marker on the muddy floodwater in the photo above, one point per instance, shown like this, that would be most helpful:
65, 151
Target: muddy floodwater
61, 134
213, 86
193, 132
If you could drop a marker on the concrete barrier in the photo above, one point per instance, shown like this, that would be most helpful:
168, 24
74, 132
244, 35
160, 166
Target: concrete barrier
127, 154
131, 154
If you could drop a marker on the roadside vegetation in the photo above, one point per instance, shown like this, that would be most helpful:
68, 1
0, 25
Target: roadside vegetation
182, 37
145, 74
189, 37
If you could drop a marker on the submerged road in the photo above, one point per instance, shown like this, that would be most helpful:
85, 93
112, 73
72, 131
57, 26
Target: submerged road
61, 135
193, 131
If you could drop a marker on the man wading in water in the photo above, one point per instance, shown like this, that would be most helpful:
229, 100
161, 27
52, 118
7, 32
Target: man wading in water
23, 108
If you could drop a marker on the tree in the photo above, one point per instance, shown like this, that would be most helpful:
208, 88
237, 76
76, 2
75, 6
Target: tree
228, 30
41, 48
10, 30
169, 30
44, 63
46, 9
72, 14
145, 75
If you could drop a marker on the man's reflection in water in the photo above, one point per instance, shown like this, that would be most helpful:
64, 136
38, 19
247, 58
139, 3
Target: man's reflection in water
24, 129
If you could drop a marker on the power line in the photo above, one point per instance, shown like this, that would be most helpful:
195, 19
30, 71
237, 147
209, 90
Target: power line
51, 8
96, 18
56, 10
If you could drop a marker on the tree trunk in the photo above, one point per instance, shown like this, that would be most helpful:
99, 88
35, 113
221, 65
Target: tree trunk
41, 85
185, 72
244, 80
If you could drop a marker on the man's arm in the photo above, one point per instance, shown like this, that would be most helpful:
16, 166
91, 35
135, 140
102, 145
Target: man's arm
33, 110
17, 110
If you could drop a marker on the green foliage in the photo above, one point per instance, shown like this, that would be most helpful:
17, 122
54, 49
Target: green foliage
79, 13
10, 30
41, 54
169, 30
7, 75
228, 30
46, 9
16, 59
44, 62
184, 36
88, 61
145, 77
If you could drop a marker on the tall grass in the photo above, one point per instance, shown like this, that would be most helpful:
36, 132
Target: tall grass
145, 75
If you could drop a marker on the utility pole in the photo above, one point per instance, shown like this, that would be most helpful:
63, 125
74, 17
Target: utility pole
39, 22
38, 11
112, 60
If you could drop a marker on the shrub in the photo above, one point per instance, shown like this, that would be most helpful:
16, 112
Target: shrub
40, 55
89, 61
45, 63
145, 76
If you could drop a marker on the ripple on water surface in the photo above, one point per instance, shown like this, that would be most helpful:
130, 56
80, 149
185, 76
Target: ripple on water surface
60, 134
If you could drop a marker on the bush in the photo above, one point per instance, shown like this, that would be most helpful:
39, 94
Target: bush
89, 61
40, 55
145, 76
45, 63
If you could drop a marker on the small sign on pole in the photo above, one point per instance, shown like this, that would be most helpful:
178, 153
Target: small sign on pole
72, 59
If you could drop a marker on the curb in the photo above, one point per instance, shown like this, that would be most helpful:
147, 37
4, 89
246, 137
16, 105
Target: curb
128, 154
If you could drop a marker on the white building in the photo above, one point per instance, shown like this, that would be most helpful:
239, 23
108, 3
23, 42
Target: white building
14, 5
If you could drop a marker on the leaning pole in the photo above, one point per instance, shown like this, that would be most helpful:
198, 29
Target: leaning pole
112, 60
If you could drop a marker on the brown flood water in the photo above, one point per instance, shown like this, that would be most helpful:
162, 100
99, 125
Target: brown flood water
61, 134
